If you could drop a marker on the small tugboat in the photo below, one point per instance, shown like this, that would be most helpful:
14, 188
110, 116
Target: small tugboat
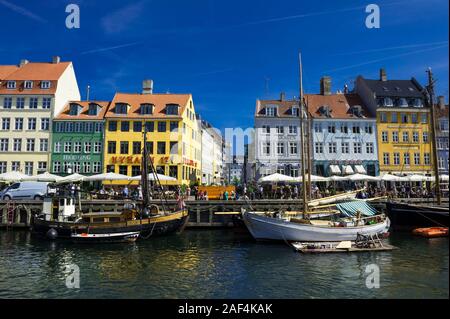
61, 220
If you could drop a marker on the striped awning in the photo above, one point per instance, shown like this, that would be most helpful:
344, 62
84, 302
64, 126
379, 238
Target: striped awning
360, 169
350, 209
335, 169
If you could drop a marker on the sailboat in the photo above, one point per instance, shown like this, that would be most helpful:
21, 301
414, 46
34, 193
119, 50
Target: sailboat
406, 216
345, 224
60, 220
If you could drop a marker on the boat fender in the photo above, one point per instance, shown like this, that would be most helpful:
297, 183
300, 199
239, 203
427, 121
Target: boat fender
52, 234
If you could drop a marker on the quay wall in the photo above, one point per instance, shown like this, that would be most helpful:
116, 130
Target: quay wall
201, 213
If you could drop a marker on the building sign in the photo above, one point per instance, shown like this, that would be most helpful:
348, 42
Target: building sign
126, 160
189, 162
76, 157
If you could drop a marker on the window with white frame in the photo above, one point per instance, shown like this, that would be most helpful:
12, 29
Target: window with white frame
30, 144
76, 167
332, 148
369, 148
395, 137
20, 103
97, 147
405, 137
66, 167
56, 167
384, 137
45, 84
45, 124
293, 148
43, 145
42, 166
265, 129
357, 149
427, 158
87, 147
369, 129
31, 123
441, 163
18, 123
86, 167
6, 123
7, 102
29, 168
280, 148
406, 159
77, 147
396, 158
28, 85
416, 158
67, 147
15, 166
17, 145
57, 147
318, 147
33, 102
11, 84
266, 148
415, 137
292, 129
46, 102
386, 160
3, 167
280, 129
425, 137
345, 148
4, 142
96, 166
317, 127
271, 111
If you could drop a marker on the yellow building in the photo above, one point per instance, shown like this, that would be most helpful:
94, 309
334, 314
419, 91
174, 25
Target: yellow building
403, 123
174, 138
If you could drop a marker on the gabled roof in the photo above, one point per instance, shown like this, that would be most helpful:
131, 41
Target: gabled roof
284, 107
32, 71
338, 104
160, 101
64, 115
396, 88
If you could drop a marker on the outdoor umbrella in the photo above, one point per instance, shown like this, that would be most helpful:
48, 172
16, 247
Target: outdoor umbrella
417, 178
107, 177
336, 178
314, 178
151, 177
361, 177
44, 177
443, 178
12, 177
74, 178
275, 178
392, 178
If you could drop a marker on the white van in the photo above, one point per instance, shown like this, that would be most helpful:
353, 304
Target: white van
25, 190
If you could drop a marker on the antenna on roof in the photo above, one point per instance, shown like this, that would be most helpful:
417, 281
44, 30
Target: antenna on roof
88, 88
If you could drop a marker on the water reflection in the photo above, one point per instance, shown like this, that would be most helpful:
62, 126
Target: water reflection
217, 264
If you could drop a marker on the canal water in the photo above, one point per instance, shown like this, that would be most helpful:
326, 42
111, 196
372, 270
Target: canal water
218, 264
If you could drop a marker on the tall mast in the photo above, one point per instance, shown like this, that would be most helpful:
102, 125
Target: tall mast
430, 89
144, 173
302, 142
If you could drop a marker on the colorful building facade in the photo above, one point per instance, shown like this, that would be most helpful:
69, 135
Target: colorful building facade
174, 139
31, 94
78, 137
344, 135
442, 141
403, 124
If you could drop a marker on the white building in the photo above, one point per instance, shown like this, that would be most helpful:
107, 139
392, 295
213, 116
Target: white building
212, 154
344, 136
31, 94
277, 137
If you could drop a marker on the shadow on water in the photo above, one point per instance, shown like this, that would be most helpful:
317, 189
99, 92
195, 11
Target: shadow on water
217, 264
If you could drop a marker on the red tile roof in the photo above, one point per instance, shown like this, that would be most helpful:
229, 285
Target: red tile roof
64, 115
134, 100
339, 104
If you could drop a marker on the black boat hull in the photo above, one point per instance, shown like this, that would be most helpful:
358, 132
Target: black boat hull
406, 217
147, 228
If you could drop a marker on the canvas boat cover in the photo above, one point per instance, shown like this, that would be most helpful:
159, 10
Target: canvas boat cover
350, 209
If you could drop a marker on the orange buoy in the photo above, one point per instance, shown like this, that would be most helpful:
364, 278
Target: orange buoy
431, 232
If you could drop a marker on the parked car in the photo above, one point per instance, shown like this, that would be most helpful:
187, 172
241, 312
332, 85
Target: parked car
25, 190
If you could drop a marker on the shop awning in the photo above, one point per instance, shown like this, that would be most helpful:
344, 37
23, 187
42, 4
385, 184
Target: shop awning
360, 169
335, 169
348, 170
350, 209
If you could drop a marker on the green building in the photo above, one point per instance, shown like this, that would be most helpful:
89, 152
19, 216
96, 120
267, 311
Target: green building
78, 138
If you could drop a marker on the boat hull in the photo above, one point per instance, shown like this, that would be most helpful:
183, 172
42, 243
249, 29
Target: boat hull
128, 237
269, 228
148, 227
408, 216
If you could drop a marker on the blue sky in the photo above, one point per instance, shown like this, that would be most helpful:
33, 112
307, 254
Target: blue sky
228, 53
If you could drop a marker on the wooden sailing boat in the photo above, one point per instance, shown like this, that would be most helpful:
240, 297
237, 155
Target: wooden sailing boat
407, 216
59, 219
346, 223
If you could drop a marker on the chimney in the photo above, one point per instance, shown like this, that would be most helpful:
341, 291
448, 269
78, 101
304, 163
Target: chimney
441, 102
282, 96
56, 59
325, 85
383, 76
23, 62
147, 87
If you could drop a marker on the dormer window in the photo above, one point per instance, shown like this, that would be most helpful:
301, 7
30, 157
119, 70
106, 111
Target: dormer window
93, 109
28, 85
271, 111
75, 109
11, 84
387, 101
121, 108
295, 111
45, 84
146, 109
172, 109
356, 110
324, 110
418, 103
402, 102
